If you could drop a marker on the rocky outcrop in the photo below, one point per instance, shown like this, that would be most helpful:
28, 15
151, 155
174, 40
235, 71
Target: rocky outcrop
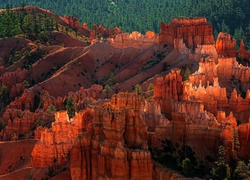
150, 112
225, 45
117, 148
25, 102
242, 53
14, 81
11, 78
55, 143
244, 135
225, 67
134, 40
214, 97
104, 32
107, 142
73, 22
193, 31
19, 124
206, 73
167, 89
237, 74
31, 110
16, 90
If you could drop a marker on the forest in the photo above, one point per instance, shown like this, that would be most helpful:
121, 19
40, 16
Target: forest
135, 15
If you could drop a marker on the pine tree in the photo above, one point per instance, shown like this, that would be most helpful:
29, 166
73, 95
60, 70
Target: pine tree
107, 90
138, 89
71, 107
242, 171
150, 90
4, 95
185, 74
187, 168
236, 143
2, 124
52, 108
222, 169
28, 25
111, 78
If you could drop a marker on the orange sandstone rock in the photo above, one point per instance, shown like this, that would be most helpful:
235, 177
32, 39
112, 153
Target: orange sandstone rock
167, 89
193, 31
134, 40
55, 143
225, 45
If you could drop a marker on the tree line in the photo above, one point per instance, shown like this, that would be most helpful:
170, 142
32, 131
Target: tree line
226, 15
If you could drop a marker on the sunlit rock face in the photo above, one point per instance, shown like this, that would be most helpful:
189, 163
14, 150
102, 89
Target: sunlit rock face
193, 31
225, 45
134, 40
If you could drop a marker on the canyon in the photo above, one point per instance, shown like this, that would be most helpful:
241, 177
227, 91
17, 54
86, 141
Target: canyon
122, 134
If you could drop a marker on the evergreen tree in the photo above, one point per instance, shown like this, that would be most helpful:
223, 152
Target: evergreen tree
107, 90
71, 107
111, 79
52, 108
222, 170
150, 90
236, 142
138, 89
28, 25
185, 73
242, 170
238, 35
187, 168
4, 95
26, 84
2, 124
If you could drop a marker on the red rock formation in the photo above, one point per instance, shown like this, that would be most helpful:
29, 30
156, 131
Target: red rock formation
225, 45
193, 31
31, 110
11, 78
244, 136
214, 97
194, 118
16, 90
151, 114
26, 101
73, 22
135, 40
167, 89
100, 31
85, 25
56, 142
38, 132
229, 69
115, 125
242, 52
206, 73
207, 51
19, 123
222, 119
99, 146
226, 66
